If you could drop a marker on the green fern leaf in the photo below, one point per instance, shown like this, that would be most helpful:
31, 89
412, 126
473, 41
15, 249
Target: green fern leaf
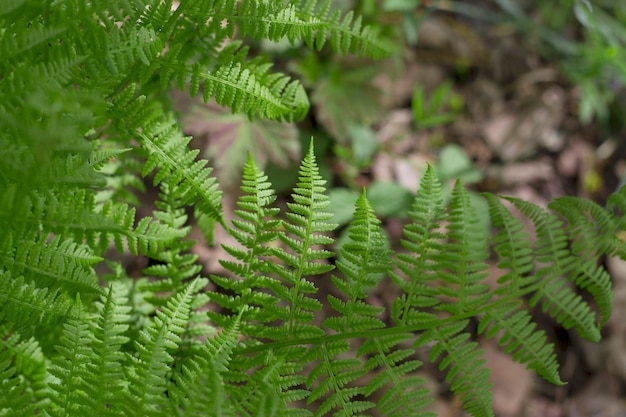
557, 298
22, 375
147, 375
167, 149
424, 240
24, 304
306, 224
403, 394
520, 338
69, 368
462, 266
104, 382
255, 230
466, 374
513, 247
201, 388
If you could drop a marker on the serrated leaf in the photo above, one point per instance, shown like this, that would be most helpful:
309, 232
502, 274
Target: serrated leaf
232, 136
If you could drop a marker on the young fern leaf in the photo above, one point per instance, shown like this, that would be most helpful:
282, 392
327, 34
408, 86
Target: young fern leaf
423, 238
201, 388
104, 380
255, 230
305, 226
515, 331
403, 393
513, 248
468, 377
461, 272
23, 304
463, 267
175, 267
347, 35
67, 390
148, 371
593, 230
362, 259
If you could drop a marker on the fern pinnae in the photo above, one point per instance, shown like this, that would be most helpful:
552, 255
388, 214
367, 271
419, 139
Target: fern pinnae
202, 387
306, 224
513, 248
552, 248
463, 263
67, 390
104, 381
467, 375
515, 331
23, 376
255, 230
509, 321
148, 370
168, 150
423, 239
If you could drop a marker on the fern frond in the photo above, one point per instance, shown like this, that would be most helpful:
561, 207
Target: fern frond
592, 230
201, 387
553, 291
176, 266
167, 149
255, 230
347, 34
306, 224
67, 390
277, 383
22, 375
104, 380
513, 247
58, 264
335, 374
147, 375
403, 394
24, 304
243, 89
521, 339
424, 241
363, 259
464, 365
463, 262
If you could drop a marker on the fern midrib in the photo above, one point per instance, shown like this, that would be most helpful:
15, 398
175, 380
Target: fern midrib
362, 273
303, 258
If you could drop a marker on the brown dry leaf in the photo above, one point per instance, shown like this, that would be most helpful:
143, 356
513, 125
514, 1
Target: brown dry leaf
520, 173
511, 382
515, 136
599, 399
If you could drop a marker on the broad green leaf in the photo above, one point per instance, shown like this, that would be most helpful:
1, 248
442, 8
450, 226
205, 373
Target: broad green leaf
347, 96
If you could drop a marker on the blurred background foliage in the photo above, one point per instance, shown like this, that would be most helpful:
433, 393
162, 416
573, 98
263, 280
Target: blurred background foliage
489, 82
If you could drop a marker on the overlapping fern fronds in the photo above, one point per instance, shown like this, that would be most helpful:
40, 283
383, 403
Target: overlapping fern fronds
83, 113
